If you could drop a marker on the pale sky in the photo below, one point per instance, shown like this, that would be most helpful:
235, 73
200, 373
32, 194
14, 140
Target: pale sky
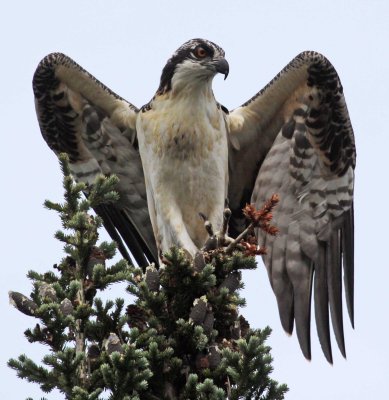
125, 44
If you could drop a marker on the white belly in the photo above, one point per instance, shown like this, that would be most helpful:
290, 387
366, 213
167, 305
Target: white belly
186, 170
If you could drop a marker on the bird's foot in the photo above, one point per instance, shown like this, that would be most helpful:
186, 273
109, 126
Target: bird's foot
222, 243
246, 241
220, 239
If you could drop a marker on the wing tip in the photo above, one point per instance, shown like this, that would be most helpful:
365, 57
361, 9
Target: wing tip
304, 339
327, 351
343, 352
287, 322
306, 352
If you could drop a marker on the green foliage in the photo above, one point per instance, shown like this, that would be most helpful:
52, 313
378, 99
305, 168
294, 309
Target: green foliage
182, 338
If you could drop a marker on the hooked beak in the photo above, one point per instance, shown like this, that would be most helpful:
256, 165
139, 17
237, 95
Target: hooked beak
222, 67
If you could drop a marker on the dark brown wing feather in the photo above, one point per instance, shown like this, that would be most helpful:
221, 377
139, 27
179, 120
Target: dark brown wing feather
295, 138
78, 115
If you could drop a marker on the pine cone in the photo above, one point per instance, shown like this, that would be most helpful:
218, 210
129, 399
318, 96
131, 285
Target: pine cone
152, 278
22, 303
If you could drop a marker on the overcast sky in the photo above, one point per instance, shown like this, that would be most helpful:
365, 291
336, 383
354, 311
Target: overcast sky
126, 44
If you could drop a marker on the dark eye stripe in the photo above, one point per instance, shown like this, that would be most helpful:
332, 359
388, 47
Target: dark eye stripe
209, 50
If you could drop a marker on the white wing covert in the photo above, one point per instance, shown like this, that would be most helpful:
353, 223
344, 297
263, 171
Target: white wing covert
294, 138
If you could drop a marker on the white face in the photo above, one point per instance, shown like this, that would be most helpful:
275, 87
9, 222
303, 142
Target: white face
192, 71
195, 62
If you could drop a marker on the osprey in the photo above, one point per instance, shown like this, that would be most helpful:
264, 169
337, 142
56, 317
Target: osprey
183, 154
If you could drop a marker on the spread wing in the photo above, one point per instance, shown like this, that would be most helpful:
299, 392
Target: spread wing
78, 115
295, 138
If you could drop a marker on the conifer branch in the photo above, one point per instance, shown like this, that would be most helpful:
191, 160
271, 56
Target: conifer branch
181, 338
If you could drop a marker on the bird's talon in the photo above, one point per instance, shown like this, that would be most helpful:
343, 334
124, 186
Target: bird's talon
226, 219
220, 239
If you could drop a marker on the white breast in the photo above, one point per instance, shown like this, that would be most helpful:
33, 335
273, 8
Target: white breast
183, 146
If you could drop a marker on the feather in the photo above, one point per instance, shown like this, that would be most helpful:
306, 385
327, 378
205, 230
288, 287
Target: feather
78, 115
294, 138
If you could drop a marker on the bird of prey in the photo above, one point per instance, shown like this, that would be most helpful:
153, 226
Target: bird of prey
183, 154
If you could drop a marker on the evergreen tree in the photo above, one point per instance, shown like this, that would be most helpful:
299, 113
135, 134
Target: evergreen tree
182, 338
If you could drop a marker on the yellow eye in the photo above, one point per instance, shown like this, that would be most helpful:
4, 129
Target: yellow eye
200, 52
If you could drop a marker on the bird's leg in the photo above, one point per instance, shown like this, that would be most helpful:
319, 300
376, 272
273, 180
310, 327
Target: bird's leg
226, 220
211, 242
173, 232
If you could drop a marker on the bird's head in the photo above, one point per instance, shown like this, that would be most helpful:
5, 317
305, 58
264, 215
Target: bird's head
196, 62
